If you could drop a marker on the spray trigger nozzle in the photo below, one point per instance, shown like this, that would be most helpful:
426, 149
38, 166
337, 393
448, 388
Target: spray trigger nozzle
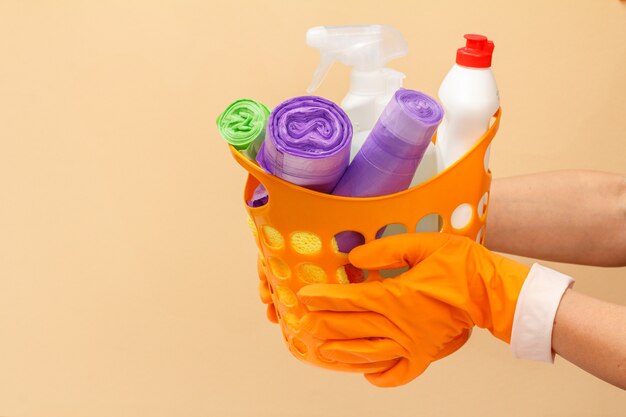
363, 47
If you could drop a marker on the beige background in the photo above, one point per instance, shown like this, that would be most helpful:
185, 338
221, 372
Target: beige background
127, 273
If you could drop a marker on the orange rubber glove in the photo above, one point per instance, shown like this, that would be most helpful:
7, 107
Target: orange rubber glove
419, 316
264, 292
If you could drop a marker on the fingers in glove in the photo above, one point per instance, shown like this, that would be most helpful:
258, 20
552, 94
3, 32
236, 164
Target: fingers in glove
360, 368
328, 325
264, 292
397, 251
403, 372
362, 350
271, 313
454, 345
339, 297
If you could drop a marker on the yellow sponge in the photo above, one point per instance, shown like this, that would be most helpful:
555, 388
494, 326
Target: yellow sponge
350, 274
292, 322
342, 277
306, 243
279, 268
273, 238
311, 273
286, 296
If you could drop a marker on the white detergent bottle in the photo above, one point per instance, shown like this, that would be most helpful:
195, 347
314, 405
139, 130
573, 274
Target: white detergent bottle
469, 96
367, 49
426, 170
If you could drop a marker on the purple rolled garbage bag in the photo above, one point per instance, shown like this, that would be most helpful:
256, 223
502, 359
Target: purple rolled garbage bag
389, 157
307, 143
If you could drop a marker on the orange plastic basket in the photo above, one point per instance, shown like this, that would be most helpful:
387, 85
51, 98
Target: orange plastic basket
295, 230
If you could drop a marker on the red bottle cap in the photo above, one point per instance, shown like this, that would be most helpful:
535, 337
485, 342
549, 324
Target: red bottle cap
476, 53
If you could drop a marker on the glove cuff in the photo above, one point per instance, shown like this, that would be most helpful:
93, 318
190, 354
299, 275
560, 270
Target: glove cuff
503, 292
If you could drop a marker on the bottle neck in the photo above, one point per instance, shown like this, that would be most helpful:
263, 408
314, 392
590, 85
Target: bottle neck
477, 69
367, 82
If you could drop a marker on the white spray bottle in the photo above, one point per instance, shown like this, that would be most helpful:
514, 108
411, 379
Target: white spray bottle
367, 49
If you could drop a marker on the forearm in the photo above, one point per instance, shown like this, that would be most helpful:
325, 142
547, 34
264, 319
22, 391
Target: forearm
564, 216
592, 335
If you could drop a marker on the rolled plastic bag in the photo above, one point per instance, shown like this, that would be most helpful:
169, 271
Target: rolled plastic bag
389, 157
308, 143
243, 125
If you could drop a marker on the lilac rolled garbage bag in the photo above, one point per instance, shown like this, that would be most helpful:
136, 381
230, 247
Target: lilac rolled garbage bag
307, 143
389, 157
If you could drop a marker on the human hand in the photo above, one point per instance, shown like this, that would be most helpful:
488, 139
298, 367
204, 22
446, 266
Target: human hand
420, 316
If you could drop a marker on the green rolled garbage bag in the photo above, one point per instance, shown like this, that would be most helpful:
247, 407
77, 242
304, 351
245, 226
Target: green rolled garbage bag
243, 125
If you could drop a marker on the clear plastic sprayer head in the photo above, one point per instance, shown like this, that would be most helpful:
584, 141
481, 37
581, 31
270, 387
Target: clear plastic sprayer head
363, 47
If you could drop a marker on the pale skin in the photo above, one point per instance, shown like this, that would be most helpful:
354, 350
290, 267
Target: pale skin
564, 216
574, 217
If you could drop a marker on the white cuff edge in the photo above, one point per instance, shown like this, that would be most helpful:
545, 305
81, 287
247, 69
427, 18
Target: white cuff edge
536, 308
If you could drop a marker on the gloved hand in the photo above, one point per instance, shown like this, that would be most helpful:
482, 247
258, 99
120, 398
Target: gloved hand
419, 316
266, 298
264, 291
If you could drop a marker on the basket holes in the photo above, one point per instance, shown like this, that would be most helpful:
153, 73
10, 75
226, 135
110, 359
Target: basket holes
256, 194
390, 230
311, 273
279, 268
260, 197
486, 160
462, 216
394, 272
344, 242
299, 346
430, 223
272, 237
479, 236
306, 243
350, 274
482, 205
286, 296
292, 322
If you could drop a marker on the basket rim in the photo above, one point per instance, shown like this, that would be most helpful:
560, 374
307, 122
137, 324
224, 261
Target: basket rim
253, 168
